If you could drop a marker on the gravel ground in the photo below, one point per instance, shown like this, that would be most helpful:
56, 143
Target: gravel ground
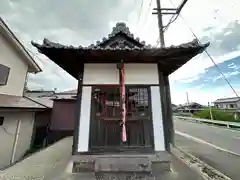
42, 165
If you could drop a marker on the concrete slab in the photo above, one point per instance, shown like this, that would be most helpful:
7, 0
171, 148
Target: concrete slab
179, 171
123, 164
41, 165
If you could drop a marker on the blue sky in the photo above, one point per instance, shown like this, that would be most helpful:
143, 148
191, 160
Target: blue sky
77, 23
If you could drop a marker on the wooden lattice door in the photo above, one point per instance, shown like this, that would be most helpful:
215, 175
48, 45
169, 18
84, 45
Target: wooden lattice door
105, 131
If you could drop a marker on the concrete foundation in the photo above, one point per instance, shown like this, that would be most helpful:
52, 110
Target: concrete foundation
144, 165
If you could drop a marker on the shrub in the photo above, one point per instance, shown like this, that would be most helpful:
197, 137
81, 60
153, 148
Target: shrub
217, 115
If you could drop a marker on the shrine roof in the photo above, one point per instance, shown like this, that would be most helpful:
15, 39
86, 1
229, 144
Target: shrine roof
119, 46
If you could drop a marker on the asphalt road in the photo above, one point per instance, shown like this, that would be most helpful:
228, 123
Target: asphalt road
216, 146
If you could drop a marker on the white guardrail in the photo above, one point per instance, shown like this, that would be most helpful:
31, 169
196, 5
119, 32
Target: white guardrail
217, 122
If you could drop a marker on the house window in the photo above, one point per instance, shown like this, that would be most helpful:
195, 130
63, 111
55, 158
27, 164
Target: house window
4, 73
233, 106
1, 121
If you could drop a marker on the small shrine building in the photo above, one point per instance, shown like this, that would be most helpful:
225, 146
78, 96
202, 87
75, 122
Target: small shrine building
120, 99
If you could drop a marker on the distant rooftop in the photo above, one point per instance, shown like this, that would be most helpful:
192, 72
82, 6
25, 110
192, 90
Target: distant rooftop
8, 101
227, 100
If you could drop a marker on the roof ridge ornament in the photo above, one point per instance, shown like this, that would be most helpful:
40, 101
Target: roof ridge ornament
120, 27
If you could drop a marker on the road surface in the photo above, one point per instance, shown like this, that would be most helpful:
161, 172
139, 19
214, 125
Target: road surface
216, 146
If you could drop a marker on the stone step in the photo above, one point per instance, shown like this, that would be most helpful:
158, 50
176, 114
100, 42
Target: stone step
122, 164
124, 176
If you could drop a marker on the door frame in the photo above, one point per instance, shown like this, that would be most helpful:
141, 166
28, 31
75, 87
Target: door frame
122, 148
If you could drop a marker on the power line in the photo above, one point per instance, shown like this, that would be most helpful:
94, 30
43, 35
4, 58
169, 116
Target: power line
172, 19
146, 17
149, 6
210, 57
140, 12
36, 56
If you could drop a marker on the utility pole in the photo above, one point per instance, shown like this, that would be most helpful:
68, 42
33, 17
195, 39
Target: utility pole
188, 104
160, 24
167, 107
210, 110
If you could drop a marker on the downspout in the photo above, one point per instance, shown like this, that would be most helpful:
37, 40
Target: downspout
15, 142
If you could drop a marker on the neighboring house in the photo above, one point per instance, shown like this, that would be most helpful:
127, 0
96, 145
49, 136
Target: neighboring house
15, 63
17, 113
61, 117
174, 107
227, 103
190, 107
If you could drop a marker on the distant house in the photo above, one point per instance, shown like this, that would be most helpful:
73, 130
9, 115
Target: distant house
18, 114
174, 107
227, 103
61, 117
191, 105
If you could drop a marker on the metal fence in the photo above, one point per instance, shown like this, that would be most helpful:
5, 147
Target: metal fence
216, 122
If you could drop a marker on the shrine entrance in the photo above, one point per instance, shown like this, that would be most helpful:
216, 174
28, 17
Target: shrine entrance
105, 121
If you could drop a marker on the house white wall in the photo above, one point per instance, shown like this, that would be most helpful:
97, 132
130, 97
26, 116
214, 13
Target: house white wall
7, 134
145, 74
18, 69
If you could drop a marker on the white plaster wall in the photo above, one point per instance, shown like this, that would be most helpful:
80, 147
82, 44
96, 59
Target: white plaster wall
84, 125
100, 74
137, 73
7, 133
18, 69
157, 119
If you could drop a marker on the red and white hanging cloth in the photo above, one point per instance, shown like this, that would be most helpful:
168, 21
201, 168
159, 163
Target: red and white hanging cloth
123, 97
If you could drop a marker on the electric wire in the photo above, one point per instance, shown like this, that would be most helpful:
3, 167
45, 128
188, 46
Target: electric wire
210, 57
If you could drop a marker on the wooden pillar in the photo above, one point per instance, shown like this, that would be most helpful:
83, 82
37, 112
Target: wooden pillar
164, 105
78, 111
169, 122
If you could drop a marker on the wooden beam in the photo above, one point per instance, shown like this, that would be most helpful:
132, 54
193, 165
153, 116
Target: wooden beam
77, 112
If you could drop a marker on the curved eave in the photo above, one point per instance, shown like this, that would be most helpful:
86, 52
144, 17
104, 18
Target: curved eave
71, 58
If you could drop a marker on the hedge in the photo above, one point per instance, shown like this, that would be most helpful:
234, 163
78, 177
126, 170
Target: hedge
217, 115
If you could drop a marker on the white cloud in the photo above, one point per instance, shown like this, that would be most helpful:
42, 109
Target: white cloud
189, 80
70, 25
230, 65
216, 78
198, 66
227, 75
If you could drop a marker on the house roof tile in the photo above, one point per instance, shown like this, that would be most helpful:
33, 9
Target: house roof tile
9, 101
